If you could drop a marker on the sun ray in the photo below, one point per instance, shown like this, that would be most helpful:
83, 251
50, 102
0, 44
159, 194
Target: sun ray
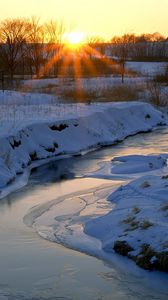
78, 75
66, 61
50, 63
78, 58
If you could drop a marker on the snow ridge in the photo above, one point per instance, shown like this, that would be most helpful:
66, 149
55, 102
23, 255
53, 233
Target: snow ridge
110, 124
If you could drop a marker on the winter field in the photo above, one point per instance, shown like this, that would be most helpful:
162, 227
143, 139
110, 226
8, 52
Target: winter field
38, 126
41, 100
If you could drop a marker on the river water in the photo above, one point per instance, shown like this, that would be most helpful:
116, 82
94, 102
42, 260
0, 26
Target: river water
33, 268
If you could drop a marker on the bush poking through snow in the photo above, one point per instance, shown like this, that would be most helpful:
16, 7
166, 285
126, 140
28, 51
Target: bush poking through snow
147, 116
145, 224
51, 149
55, 145
151, 260
33, 156
161, 262
147, 258
132, 222
165, 177
145, 185
162, 77
129, 220
15, 144
59, 127
136, 210
164, 207
154, 89
122, 248
143, 260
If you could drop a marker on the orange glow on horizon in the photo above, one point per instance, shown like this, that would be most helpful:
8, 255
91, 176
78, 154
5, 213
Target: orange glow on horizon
98, 18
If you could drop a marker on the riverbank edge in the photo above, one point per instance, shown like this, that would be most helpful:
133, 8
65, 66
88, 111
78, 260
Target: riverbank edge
38, 144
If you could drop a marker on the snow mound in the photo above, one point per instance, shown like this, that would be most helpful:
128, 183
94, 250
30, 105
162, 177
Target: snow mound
137, 226
137, 164
105, 125
122, 166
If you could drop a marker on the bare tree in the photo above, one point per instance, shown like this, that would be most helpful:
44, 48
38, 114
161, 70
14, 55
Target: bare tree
35, 46
54, 32
96, 46
122, 49
13, 35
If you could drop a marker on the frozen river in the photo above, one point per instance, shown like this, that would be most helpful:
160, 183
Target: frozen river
34, 268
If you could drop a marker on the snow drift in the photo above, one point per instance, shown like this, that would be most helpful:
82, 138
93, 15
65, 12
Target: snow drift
136, 227
106, 125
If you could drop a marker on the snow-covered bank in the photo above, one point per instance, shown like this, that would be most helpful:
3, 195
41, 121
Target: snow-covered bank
105, 124
130, 220
137, 225
129, 166
137, 164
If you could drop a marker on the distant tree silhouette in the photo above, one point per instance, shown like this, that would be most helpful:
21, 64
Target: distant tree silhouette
97, 44
123, 44
13, 34
54, 32
35, 46
146, 46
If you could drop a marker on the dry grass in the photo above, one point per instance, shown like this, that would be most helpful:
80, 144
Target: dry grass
136, 210
129, 220
121, 93
154, 89
164, 207
109, 94
165, 177
157, 91
162, 77
145, 224
165, 245
132, 222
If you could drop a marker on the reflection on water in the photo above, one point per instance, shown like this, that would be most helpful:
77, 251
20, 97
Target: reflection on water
32, 268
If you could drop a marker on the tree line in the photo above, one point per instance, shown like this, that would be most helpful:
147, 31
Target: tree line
140, 47
28, 47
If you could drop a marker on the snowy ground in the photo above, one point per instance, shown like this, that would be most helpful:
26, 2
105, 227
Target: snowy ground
41, 100
19, 109
143, 69
94, 83
147, 68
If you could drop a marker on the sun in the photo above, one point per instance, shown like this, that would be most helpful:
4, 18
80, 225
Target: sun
74, 39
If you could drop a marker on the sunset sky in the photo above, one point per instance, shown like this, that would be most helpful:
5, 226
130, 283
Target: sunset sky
95, 17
